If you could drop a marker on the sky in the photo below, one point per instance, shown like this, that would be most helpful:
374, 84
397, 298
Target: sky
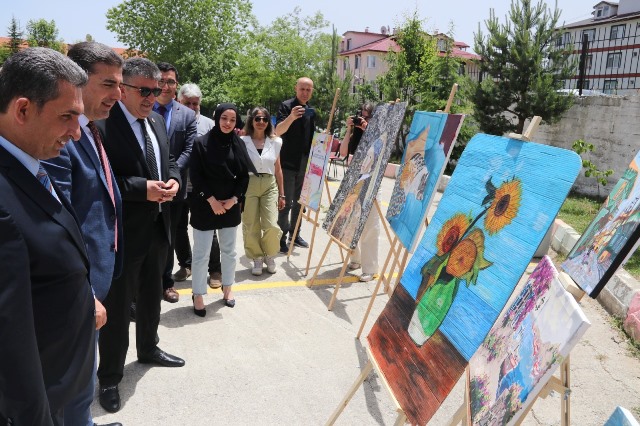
77, 18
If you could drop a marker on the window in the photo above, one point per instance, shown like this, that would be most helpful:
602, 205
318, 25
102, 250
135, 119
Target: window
614, 59
348, 44
345, 64
371, 61
357, 64
585, 85
610, 87
564, 40
462, 69
617, 31
589, 60
591, 34
599, 12
442, 45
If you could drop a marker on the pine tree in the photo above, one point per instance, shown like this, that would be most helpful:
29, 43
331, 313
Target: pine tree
15, 35
522, 69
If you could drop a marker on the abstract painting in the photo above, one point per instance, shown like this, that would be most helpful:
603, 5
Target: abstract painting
353, 202
430, 141
501, 199
525, 346
316, 171
610, 238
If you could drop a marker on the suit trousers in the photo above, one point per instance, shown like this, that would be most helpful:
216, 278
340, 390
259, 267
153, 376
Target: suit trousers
140, 280
183, 245
260, 229
292, 182
78, 411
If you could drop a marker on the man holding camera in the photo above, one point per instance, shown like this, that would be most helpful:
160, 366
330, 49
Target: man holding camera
368, 259
295, 124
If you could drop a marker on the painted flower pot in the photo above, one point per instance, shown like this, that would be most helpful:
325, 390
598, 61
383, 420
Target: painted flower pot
431, 310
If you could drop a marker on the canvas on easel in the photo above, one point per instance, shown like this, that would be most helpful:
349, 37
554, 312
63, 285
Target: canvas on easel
498, 205
316, 172
611, 237
525, 346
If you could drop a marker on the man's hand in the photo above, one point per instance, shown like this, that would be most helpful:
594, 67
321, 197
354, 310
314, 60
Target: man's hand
297, 112
170, 190
155, 191
101, 314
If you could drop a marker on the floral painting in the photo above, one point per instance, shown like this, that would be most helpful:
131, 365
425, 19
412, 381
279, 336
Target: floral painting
498, 205
611, 237
316, 171
353, 202
429, 144
524, 347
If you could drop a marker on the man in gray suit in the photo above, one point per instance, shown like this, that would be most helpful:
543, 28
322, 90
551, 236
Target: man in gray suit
182, 131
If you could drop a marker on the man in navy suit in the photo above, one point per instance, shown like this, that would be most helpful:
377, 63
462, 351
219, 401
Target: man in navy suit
182, 130
135, 139
83, 173
47, 321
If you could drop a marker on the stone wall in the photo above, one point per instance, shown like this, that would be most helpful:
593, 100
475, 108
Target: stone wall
612, 124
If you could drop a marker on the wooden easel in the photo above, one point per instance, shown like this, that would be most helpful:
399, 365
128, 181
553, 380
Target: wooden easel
366, 370
396, 254
345, 261
305, 210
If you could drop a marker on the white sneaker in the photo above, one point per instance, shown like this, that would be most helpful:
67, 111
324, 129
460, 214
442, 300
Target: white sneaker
271, 264
257, 266
354, 265
366, 277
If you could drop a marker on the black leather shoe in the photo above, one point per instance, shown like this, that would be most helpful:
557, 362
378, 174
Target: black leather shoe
199, 312
299, 242
162, 358
284, 249
109, 424
110, 398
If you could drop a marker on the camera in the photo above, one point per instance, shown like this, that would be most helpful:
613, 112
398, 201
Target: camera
357, 120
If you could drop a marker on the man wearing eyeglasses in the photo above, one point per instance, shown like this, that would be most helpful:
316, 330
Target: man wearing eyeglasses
136, 142
182, 130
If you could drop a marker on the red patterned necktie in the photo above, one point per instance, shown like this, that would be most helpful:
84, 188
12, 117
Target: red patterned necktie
106, 168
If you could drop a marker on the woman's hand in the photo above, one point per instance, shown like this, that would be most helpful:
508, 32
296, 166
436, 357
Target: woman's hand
227, 204
217, 206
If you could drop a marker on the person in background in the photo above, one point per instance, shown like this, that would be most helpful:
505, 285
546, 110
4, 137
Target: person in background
83, 172
265, 193
182, 130
190, 96
367, 257
47, 330
219, 172
295, 123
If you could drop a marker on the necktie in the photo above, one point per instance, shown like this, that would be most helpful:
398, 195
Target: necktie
43, 178
106, 168
151, 155
162, 111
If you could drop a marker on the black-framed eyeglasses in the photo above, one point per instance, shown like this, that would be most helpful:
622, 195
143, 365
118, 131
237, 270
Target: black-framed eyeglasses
260, 118
145, 91
171, 83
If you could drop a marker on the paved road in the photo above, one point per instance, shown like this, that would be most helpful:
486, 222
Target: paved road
281, 358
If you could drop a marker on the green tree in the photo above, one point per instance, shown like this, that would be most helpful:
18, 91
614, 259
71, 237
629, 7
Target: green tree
43, 33
522, 68
200, 37
15, 35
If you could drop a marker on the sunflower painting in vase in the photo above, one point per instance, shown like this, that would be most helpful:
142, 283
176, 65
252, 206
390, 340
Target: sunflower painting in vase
460, 256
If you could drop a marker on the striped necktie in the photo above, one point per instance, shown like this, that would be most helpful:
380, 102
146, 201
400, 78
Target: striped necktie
152, 164
43, 178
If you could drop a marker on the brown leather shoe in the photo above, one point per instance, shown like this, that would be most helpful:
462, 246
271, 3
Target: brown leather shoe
171, 295
215, 280
182, 274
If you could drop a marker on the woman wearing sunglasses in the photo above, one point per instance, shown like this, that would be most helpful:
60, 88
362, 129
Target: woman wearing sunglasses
265, 193
219, 171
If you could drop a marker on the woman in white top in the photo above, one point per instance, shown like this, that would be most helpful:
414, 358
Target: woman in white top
265, 194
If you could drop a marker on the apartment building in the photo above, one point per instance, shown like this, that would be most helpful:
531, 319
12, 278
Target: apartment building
613, 46
362, 54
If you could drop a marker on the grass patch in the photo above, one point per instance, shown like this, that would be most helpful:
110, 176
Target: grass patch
633, 346
578, 211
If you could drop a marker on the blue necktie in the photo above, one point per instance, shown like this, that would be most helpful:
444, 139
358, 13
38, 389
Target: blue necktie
43, 178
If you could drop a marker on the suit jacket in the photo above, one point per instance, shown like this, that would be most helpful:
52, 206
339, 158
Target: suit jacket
78, 173
130, 168
47, 321
183, 131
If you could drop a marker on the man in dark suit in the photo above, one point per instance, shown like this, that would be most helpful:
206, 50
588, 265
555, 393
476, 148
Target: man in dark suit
83, 173
135, 139
47, 321
182, 131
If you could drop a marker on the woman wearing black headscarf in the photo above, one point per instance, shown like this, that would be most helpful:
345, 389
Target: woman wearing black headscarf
219, 171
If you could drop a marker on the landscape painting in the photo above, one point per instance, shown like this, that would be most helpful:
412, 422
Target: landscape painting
316, 171
353, 202
502, 198
430, 141
524, 348
611, 237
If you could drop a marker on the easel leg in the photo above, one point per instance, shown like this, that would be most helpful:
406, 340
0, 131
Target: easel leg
361, 378
312, 242
295, 230
565, 400
340, 278
315, 274
401, 419
403, 264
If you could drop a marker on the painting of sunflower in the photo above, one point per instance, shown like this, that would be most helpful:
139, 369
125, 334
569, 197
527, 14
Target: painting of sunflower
504, 206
